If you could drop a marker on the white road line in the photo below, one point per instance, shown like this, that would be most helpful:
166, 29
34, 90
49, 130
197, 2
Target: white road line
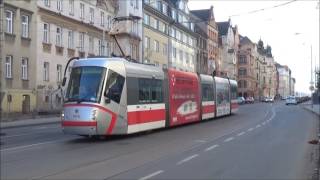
242, 133
229, 139
200, 141
258, 126
250, 129
187, 159
30, 145
151, 175
211, 147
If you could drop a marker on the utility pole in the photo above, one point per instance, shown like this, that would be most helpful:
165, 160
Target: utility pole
311, 82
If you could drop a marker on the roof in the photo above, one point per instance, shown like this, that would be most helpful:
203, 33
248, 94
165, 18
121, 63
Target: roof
203, 14
223, 27
245, 40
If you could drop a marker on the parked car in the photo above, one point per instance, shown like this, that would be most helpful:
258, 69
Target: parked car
241, 100
250, 100
269, 99
291, 100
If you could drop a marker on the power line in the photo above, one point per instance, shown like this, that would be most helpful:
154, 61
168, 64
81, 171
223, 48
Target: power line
263, 9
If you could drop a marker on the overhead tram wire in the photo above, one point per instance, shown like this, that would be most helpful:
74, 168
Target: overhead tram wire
263, 9
249, 12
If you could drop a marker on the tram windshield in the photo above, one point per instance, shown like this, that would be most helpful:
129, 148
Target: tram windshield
85, 84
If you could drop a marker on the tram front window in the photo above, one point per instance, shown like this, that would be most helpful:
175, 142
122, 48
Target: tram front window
85, 84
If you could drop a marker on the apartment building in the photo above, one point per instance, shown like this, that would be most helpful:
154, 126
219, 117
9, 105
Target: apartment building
18, 66
284, 78
207, 19
156, 32
228, 50
247, 68
180, 33
43, 35
128, 28
67, 29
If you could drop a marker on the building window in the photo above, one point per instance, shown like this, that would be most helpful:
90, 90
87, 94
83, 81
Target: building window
101, 48
25, 26
59, 5
174, 52
46, 3
159, 5
9, 21
91, 15
46, 32
81, 42
242, 72
178, 34
59, 36
102, 19
146, 42
165, 9
134, 27
8, 66
242, 59
156, 46
59, 73
174, 14
187, 57
70, 39
109, 22
71, 7
173, 32
181, 55
91, 42
165, 48
82, 11
146, 19
192, 59
24, 68
46, 71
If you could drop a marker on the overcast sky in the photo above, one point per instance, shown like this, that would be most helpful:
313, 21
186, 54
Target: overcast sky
290, 30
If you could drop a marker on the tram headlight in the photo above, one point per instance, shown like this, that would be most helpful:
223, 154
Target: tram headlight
62, 115
94, 115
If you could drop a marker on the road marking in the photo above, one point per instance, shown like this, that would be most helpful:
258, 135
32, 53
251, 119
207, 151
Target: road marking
250, 129
200, 141
229, 139
258, 126
242, 133
211, 147
31, 145
151, 175
187, 159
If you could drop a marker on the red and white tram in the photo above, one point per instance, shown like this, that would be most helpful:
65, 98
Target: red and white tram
109, 96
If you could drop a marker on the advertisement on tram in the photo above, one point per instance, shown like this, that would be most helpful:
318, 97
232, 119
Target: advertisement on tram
184, 97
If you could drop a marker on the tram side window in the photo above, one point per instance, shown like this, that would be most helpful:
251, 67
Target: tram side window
114, 86
207, 92
233, 91
150, 91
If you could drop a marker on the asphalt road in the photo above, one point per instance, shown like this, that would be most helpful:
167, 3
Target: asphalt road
266, 141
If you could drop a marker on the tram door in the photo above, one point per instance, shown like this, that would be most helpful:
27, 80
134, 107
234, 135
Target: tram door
112, 101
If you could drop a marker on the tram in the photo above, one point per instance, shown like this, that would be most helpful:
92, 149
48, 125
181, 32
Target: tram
113, 96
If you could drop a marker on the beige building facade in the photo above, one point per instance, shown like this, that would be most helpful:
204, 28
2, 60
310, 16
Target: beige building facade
56, 31
18, 64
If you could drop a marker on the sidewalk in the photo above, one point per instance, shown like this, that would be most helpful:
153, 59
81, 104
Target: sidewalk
30, 121
315, 108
